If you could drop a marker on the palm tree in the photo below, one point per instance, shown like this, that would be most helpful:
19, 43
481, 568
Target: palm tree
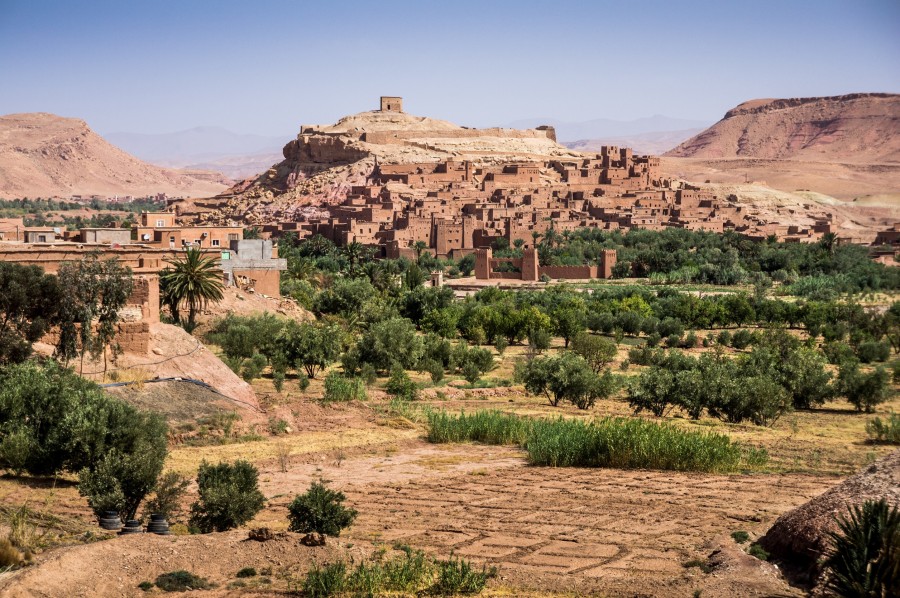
828, 242
193, 279
419, 246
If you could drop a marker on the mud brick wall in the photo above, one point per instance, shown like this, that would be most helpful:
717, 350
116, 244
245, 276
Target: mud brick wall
569, 272
134, 337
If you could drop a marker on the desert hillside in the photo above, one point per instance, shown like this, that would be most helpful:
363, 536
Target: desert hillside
43, 154
860, 128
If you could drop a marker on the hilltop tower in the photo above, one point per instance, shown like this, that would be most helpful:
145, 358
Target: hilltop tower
391, 104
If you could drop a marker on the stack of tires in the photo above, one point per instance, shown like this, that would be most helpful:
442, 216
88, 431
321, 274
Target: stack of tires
110, 521
132, 526
158, 525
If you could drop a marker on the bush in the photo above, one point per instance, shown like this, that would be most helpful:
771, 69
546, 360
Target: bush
457, 576
863, 391
741, 339
170, 489
865, 556
740, 536
246, 572
53, 420
758, 551
339, 388
320, 510
564, 377
539, 340
599, 352
391, 342
500, 343
401, 386
884, 431
325, 581
229, 496
869, 351
181, 581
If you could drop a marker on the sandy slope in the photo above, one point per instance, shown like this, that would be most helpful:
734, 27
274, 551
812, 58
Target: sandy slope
43, 154
855, 128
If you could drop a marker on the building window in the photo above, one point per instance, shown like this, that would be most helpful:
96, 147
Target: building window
159, 223
232, 237
171, 239
215, 242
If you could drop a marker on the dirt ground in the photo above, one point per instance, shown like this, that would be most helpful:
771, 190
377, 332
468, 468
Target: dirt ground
565, 531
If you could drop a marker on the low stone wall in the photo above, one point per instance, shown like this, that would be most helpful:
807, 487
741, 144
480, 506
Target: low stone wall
569, 272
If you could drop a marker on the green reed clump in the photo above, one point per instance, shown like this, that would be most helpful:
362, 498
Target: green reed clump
411, 573
620, 442
488, 427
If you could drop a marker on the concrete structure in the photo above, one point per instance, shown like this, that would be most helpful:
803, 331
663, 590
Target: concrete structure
253, 264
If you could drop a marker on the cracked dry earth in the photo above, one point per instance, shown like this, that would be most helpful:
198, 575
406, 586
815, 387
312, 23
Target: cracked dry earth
582, 530
566, 531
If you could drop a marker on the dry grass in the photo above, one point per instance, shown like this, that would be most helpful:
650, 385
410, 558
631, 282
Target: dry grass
186, 460
135, 377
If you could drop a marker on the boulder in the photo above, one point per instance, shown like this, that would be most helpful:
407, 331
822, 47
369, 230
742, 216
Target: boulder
799, 538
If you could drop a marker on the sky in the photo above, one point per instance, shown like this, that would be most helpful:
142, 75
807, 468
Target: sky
268, 66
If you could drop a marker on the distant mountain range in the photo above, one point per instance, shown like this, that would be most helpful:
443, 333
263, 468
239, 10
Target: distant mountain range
604, 128
207, 148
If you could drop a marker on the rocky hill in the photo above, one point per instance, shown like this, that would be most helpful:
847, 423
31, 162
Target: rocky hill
43, 155
322, 164
857, 129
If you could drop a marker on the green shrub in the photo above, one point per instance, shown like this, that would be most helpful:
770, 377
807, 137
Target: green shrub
278, 380
325, 581
539, 340
458, 576
865, 555
181, 581
320, 510
229, 496
246, 572
741, 339
118, 480
869, 351
170, 489
740, 536
884, 431
339, 388
401, 386
501, 344
52, 420
863, 390
302, 382
758, 551
145, 586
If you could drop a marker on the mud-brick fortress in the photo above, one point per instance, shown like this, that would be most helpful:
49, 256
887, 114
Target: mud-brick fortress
496, 187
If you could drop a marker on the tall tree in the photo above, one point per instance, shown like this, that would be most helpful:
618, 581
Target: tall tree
29, 303
96, 290
193, 280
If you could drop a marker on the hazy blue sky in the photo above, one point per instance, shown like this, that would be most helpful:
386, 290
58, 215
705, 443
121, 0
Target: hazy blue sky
268, 66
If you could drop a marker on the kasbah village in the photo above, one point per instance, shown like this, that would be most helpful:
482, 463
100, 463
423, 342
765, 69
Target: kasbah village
424, 359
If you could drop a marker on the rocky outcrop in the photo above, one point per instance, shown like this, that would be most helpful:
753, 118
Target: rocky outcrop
856, 128
799, 538
45, 155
